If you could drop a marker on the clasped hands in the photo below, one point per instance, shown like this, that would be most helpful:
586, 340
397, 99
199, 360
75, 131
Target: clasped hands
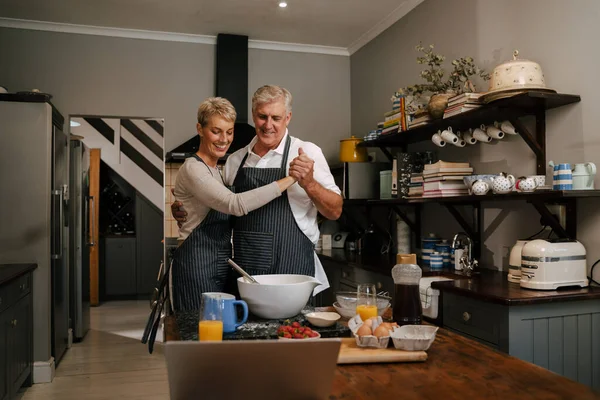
302, 168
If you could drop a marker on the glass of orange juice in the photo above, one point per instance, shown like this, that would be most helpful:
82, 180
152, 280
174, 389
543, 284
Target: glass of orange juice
366, 301
210, 325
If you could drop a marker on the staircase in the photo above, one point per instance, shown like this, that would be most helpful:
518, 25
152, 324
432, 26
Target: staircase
132, 147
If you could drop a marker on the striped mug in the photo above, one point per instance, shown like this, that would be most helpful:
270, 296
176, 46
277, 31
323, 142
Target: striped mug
562, 178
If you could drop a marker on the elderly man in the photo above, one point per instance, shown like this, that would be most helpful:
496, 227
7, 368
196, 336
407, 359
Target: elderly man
279, 238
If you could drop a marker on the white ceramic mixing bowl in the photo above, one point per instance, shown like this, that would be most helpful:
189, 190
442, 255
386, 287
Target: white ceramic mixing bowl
277, 296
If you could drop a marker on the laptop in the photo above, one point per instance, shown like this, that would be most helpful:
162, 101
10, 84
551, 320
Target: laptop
251, 369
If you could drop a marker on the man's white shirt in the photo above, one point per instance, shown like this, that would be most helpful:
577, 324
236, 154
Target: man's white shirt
303, 209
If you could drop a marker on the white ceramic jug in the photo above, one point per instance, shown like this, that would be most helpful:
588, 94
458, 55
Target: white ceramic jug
583, 176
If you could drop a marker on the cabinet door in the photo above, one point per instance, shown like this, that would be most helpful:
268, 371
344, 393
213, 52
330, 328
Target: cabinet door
150, 249
19, 343
120, 266
4, 378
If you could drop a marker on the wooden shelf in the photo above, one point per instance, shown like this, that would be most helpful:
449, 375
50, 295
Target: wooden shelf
529, 103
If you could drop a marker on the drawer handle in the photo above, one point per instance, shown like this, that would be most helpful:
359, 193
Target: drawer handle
379, 285
466, 316
22, 287
13, 323
344, 274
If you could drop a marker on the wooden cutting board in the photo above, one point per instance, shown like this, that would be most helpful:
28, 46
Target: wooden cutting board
350, 353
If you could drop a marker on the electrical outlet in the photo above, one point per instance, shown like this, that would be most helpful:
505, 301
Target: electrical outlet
372, 156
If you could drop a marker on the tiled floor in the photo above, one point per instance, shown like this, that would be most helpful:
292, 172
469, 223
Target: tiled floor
110, 363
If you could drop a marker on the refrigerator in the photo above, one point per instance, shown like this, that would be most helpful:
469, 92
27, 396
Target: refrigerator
79, 238
34, 153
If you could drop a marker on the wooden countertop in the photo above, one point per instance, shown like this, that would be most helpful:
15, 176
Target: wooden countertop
8, 272
492, 286
456, 368
489, 285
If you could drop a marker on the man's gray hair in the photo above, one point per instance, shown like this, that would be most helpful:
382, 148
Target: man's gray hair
270, 93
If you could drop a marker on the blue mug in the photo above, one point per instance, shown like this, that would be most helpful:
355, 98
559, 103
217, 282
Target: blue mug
230, 304
436, 261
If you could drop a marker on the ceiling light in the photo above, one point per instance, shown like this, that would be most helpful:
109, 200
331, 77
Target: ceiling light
74, 124
282, 4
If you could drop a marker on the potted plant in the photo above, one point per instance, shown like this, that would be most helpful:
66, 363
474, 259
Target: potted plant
441, 89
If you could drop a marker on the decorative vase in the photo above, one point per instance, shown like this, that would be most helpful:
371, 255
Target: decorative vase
438, 103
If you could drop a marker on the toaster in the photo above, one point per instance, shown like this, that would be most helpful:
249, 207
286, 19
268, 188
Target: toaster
550, 264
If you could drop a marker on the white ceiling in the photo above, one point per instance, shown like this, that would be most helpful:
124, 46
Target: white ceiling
346, 24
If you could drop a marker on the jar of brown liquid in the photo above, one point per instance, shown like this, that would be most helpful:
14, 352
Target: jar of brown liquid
407, 302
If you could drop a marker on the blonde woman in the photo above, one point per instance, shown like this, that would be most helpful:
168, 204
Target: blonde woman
200, 262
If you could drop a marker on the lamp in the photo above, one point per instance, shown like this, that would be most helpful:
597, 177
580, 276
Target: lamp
350, 152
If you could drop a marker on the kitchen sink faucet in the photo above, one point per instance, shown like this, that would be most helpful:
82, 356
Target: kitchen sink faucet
467, 263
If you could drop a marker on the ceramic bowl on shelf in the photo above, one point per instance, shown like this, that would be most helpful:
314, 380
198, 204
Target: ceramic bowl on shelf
322, 319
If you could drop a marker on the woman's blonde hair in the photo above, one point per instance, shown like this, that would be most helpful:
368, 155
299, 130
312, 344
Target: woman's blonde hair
270, 93
216, 106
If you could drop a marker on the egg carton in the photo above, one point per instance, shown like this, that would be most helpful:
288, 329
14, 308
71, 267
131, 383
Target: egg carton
368, 340
413, 337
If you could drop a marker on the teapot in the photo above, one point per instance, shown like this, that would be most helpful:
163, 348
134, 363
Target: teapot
503, 183
480, 187
526, 184
583, 176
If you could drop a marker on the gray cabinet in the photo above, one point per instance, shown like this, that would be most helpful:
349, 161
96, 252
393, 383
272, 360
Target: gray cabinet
560, 336
150, 248
16, 336
120, 266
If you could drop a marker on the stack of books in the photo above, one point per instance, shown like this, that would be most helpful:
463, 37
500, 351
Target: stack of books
419, 121
415, 189
462, 103
395, 120
445, 179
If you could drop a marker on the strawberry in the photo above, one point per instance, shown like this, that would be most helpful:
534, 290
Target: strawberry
296, 324
287, 335
314, 334
298, 336
301, 330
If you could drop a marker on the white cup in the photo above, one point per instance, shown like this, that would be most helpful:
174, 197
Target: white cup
508, 128
468, 137
460, 143
480, 135
494, 132
437, 139
449, 136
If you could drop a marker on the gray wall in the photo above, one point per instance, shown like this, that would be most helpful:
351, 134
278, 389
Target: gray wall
99, 75
554, 33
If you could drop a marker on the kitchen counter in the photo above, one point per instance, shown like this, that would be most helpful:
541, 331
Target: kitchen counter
456, 368
9, 272
492, 286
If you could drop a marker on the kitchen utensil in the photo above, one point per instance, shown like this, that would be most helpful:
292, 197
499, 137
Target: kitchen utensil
366, 301
503, 183
550, 264
413, 337
524, 184
348, 313
239, 269
480, 188
583, 176
514, 262
210, 325
349, 152
516, 74
562, 177
277, 296
407, 303
348, 300
350, 353
322, 319
230, 315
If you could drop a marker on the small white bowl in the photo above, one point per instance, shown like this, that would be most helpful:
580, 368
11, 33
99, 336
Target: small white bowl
348, 313
413, 337
322, 319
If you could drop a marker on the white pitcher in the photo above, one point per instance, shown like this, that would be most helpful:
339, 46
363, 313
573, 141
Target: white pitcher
583, 176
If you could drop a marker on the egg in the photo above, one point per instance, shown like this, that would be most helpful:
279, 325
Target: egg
381, 331
364, 330
369, 323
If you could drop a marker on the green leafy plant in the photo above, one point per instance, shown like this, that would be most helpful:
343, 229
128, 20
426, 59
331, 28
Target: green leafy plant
458, 80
